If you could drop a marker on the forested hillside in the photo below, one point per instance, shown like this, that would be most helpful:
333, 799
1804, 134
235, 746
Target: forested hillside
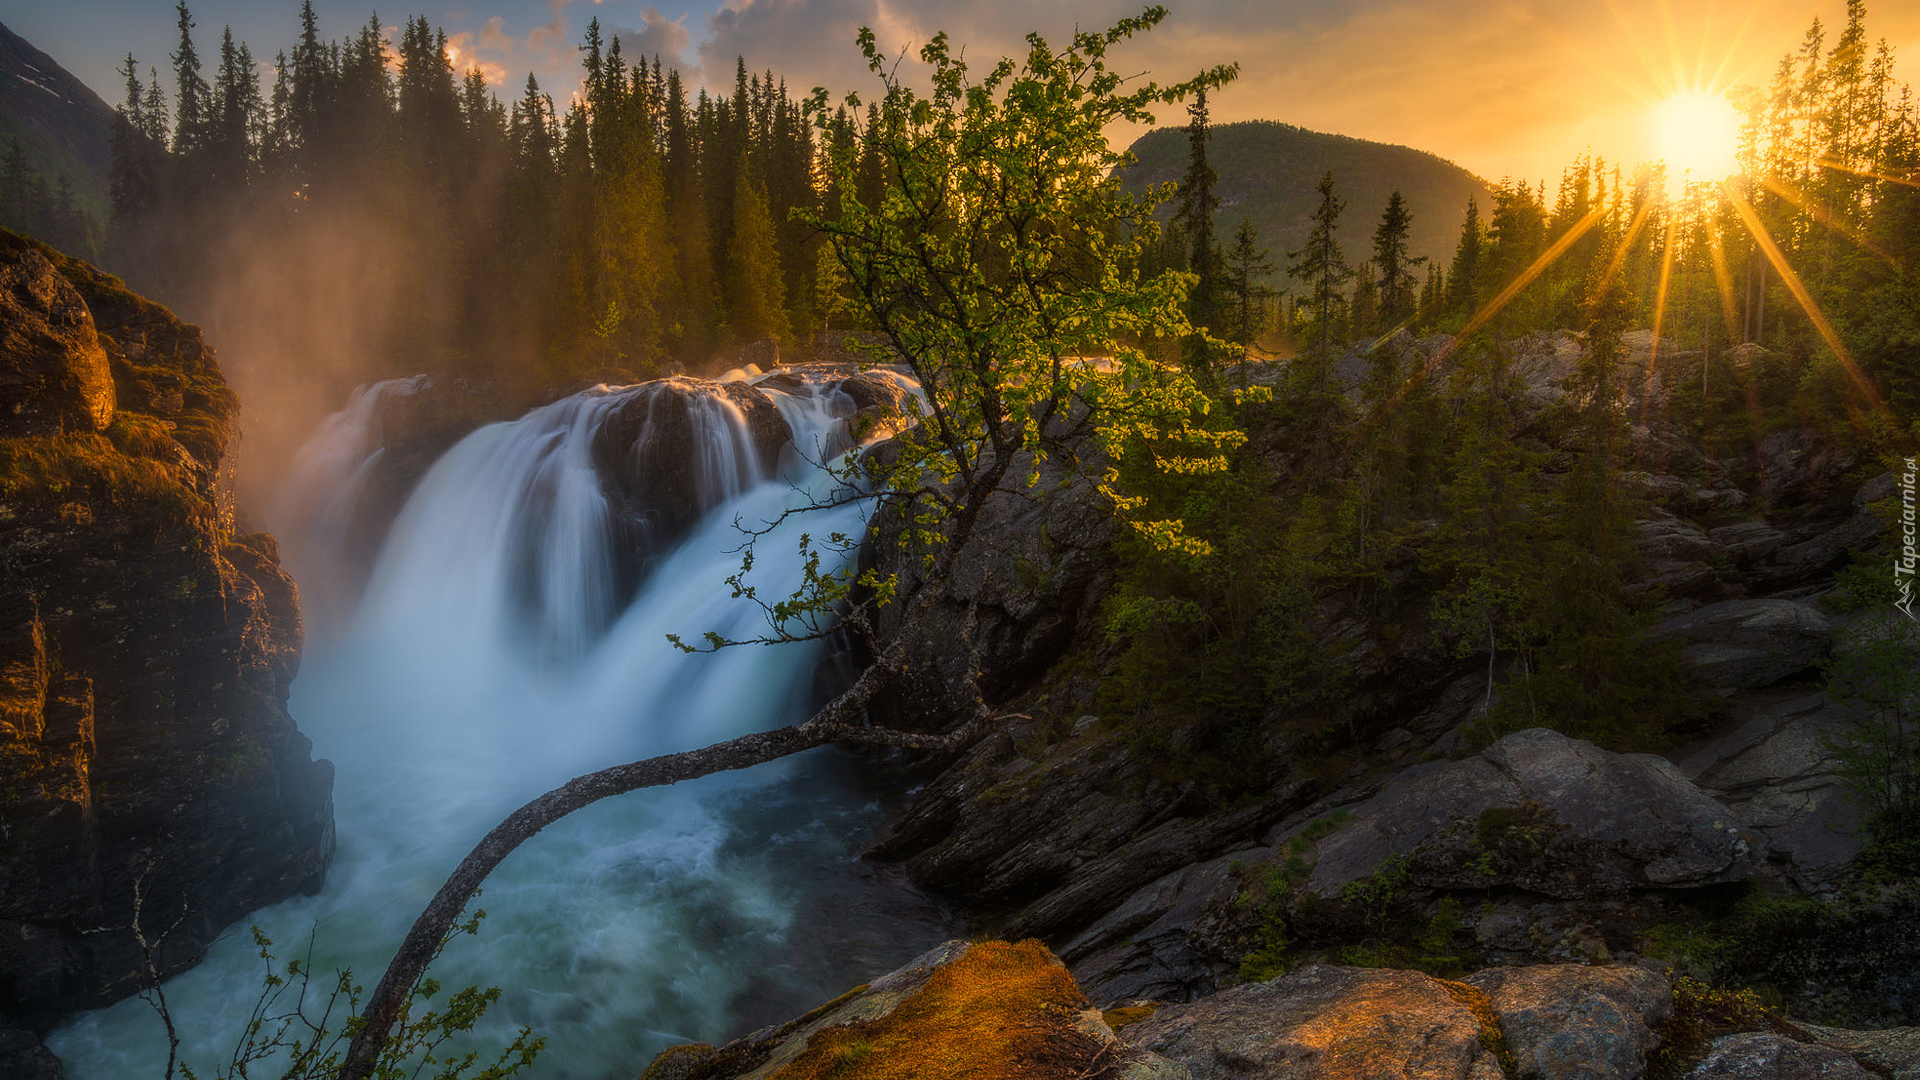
1267, 171
53, 135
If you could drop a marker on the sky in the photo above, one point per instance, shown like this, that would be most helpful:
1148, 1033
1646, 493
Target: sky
1502, 87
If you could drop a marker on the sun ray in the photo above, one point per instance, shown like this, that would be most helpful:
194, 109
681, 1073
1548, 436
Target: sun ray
1722, 277
1824, 216
1626, 244
1659, 317
1829, 163
1805, 299
1492, 307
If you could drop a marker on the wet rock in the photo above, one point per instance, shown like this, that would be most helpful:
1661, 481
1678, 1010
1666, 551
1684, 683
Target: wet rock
1744, 644
1764, 1056
1572, 1022
675, 447
1543, 812
54, 374
1155, 943
23, 1057
1330, 1023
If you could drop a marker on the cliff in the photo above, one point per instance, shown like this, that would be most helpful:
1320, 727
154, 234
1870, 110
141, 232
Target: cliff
154, 785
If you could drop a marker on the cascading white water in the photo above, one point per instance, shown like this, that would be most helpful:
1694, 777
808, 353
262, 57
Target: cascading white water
327, 481
486, 665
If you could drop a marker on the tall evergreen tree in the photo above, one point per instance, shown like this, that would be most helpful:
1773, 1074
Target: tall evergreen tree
1322, 269
1396, 281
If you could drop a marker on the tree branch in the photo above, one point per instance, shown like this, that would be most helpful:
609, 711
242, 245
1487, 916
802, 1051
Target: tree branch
422, 942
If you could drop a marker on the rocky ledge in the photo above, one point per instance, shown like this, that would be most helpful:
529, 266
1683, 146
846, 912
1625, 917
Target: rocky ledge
996, 1009
153, 781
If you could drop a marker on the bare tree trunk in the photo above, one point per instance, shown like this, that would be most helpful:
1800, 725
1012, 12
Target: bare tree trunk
434, 923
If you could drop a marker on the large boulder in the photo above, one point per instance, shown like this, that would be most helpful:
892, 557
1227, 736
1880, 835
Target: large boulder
1896, 1050
54, 374
1774, 766
959, 1012
1746, 644
1574, 1022
674, 448
1330, 1023
149, 767
1542, 812
1757, 1055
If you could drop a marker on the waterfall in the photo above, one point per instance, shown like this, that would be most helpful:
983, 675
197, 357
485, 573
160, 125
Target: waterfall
492, 659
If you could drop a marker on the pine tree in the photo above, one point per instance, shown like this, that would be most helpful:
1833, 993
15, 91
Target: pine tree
191, 106
755, 293
1396, 281
1193, 219
1247, 266
1322, 268
1463, 274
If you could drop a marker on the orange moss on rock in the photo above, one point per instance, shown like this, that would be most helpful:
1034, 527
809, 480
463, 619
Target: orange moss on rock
1002, 1011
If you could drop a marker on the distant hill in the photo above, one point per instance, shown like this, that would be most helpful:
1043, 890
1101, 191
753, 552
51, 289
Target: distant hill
62, 125
1268, 171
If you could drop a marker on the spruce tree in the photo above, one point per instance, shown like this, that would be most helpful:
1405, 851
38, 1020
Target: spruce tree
1395, 279
1321, 267
1247, 265
1193, 219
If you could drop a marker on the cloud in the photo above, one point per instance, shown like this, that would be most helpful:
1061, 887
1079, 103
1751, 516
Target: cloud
464, 55
657, 36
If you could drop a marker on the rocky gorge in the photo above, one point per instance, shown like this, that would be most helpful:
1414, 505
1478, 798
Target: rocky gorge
1385, 893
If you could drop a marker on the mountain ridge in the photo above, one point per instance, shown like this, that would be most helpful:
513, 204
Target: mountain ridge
62, 124
1267, 172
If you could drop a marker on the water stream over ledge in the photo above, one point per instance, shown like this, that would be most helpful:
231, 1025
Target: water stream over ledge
490, 661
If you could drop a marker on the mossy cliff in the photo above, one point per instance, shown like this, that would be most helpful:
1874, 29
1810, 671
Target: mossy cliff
149, 771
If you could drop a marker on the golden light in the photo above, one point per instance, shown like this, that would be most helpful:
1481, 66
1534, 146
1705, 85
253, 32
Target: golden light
1696, 132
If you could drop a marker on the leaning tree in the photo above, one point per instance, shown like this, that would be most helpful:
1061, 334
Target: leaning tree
1000, 263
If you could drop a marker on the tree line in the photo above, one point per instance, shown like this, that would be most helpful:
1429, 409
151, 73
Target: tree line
643, 225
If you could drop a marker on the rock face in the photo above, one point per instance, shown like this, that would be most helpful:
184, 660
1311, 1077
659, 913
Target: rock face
53, 372
1774, 767
146, 754
670, 449
1034, 573
1330, 1023
1747, 644
1542, 812
1572, 1022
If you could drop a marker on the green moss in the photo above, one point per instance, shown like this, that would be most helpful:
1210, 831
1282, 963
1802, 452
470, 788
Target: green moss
1130, 1014
60, 469
1701, 1014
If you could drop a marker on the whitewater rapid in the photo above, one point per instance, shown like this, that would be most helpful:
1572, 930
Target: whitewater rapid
491, 659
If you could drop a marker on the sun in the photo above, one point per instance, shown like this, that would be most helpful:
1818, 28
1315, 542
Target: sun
1696, 132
